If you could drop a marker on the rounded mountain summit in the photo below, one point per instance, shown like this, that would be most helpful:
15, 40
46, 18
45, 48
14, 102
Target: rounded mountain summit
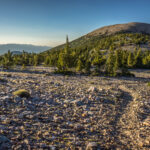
133, 27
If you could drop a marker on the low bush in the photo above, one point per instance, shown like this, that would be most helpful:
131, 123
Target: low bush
148, 84
22, 93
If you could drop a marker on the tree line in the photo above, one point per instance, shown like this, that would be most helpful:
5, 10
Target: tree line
82, 59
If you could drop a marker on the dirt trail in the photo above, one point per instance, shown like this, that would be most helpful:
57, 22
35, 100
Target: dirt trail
132, 128
134, 94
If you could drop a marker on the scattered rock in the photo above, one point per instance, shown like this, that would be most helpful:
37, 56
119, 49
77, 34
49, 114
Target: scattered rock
92, 89
77, 102
78, 127
68, 113
92, 146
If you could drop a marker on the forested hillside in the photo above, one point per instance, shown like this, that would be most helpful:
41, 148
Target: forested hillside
107, 54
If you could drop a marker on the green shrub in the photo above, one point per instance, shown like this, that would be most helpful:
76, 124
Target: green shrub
22, 93
148, 84
91, 82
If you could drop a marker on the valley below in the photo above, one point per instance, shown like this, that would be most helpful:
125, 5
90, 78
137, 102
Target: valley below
74, 112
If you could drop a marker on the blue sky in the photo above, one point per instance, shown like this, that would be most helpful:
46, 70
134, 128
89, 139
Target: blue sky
47, 22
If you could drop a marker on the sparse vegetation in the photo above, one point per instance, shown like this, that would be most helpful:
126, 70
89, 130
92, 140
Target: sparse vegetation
148, 84
22, 93
70, 109
101, 55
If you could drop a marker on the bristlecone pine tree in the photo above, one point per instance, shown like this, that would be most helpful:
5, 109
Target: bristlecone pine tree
110, 63
7, 60
64, 60
98, 61
130, 60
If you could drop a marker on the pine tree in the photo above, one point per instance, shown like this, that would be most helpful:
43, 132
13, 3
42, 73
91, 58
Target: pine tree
64, 59
47, 61
110, 63
36, 60
23, 67
116, 63
7, 60
61, 64
130, 60
80, 65
146, 61
67, 45
124, 58
138, 59
88, 66
98, 60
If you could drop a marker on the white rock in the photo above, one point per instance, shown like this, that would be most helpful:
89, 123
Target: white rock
92, 89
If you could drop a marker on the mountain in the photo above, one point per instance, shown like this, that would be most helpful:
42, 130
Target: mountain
125, 36
20, 47
133, 27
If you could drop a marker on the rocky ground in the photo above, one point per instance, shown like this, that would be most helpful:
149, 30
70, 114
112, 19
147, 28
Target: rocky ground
74, 112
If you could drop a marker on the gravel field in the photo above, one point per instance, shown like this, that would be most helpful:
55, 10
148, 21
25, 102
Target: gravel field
74, 112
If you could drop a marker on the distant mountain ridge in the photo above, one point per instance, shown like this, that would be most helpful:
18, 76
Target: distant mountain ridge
20, 47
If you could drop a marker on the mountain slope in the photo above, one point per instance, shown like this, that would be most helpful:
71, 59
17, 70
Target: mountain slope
20, 47
128, 36
133, 27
